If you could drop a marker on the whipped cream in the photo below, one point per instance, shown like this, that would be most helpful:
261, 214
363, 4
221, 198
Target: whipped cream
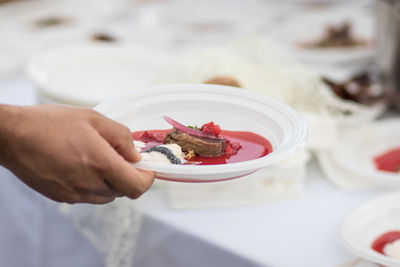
158, 156
393, 249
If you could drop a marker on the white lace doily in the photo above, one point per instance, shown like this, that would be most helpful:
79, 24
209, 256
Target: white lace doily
260, 66
112, 229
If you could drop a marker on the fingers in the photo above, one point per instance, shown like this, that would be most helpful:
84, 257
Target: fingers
117, 171
96, 195
95, 199
59, 193
119, 137
96, 187
124, 178
130, 181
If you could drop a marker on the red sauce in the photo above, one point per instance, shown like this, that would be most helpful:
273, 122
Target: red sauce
387, 238
253, 146
389, 161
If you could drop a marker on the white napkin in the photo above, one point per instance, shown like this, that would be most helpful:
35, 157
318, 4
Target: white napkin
323, 131
280, 181
341, 177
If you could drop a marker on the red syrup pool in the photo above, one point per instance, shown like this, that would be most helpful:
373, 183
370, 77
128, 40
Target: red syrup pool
253, 145
389, 161
387, 238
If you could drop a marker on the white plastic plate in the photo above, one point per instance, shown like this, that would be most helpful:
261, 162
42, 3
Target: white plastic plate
361, 227
87, 74
194, 104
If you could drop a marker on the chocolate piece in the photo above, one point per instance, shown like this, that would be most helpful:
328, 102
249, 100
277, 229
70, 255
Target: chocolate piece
206, 147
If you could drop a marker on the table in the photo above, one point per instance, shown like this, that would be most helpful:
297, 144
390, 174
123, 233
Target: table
290, 233
287, 233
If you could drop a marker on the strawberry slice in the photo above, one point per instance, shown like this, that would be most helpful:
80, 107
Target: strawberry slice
211, 128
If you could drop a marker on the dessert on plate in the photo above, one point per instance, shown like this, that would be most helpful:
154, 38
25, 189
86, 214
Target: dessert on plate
205, 145
388, 244
389, 161
363, 88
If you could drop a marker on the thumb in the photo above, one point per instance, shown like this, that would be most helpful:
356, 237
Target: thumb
119, 137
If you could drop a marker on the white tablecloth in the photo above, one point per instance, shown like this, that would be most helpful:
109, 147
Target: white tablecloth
33, 233
289, 233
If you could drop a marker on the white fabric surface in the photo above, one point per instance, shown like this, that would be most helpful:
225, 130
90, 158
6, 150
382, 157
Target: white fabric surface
112, 228
299, 233
292, 233
284, 180
254, 235
339, 176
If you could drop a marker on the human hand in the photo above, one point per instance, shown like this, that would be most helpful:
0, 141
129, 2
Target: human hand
70, 154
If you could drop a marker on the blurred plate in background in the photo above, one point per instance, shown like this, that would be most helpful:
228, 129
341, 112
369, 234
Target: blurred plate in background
361, 227
87, 74
299, 33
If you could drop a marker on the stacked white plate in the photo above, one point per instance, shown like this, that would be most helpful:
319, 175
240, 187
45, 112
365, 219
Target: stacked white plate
350, 163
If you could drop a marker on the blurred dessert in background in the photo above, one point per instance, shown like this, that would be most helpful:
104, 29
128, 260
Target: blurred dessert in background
103, 37
388, 244
389, 161
363, 88
224, 80
51, 21
336, 36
